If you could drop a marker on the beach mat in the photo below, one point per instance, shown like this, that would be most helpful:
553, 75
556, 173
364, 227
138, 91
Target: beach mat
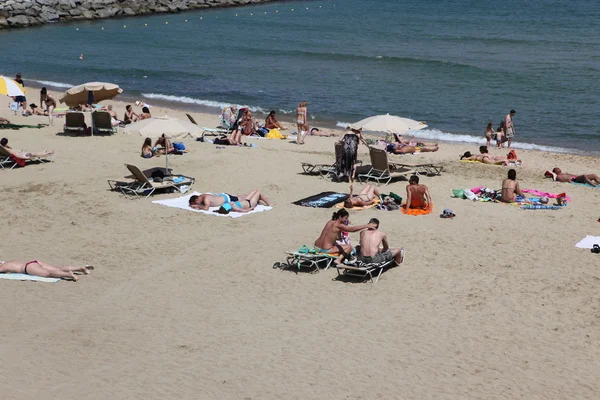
585, 184
416, 211
17, 127
588, 242
183, 203
25, 277
322, 200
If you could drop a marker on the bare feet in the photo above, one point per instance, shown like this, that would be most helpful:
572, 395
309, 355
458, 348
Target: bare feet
73, 276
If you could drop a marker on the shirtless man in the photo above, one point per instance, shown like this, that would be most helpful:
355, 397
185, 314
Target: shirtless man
590, 179
370, 242
417, 196
366, 197
331, 233
509, 127
207, 200
510, 188
113, 116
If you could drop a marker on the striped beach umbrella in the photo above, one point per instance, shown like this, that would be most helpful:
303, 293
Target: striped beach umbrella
10, 88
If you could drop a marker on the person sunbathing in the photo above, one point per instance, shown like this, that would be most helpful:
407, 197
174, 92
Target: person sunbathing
166, 147
130, 116
331, 235
40, 268
206, 200
366, 197
510, 188
35, 110
24, 155
417, 195
402, 146
272, 123
249, 203
558, 175
4, 121
234, 139
374, 248
486, 158
147, 150
317, 132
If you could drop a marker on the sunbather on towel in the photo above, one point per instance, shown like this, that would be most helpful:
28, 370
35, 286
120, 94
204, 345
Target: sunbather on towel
510, 188
331, 234
417, 195
207, 200
366, 197
24, 155
40, 268
401, 148
486, 159
249, 203
4, 121
374, 247
234, 139
590, 179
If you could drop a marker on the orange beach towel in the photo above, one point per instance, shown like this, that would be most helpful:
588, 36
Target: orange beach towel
417, 211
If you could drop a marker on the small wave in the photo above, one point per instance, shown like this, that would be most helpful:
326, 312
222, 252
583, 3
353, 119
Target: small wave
285, 111
191, 100
55, 84
343, 124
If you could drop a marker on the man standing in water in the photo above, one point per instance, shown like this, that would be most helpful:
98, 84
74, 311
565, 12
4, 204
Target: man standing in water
509, 128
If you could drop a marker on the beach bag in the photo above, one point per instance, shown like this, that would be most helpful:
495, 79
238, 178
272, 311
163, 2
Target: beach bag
512, 155
396, 198
460, 193
262, 131
179, 146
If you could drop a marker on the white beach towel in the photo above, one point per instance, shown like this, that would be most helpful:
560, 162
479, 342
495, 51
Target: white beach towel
25, 277
183, 203
588, 242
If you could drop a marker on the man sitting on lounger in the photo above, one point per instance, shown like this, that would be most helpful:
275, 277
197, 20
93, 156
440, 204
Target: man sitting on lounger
24, 155
366, 197
207, 200
331, 234
558, 175
403, 146
370, 242
417, 196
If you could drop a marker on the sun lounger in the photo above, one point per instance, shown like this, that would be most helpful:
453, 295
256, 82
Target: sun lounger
9, 161
102, 122
382, 169
371, 271
75, 122
208, 131
142, 186
426, 169
311, 261
328, 171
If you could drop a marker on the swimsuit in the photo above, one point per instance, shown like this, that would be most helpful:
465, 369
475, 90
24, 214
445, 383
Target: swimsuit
378, 258
228, 197
30, 262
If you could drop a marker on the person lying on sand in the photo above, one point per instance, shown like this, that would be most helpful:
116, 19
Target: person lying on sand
331, 234
249, 203
366, 197
35, 110
417, 195
4, 121
207, 200
234, 138
24, 155
40, 268
402, 146
374, 248
510, 188
486, 158
558, 175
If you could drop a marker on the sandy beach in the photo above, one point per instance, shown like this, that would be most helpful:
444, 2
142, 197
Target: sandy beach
496, 303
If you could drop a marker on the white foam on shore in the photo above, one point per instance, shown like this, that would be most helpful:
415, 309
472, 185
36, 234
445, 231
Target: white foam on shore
55, 84
191, 100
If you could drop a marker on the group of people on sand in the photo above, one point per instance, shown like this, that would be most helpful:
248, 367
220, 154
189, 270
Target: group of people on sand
505, 132
162, 146
229, 203
417, 196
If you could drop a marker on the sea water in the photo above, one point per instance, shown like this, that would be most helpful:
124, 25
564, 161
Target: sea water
456, 64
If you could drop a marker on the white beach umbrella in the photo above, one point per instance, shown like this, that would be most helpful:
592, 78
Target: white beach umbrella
172, 127
389, 123
91, 92
9, 87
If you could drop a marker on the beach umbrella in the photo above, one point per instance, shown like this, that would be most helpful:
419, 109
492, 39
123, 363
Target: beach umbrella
10, 88
172, 127
389, 123
91, 91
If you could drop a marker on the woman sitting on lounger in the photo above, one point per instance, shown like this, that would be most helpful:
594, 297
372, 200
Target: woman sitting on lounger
366, 197
510, 188
40, 268
403, 146
248, 204
24, 155
35, 110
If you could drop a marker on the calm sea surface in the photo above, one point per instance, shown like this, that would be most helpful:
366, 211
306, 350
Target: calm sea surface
456, 64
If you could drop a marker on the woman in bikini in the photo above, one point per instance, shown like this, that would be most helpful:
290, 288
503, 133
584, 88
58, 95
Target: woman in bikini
510, 188
40, 268
147, 149
245, 205
403, 146
130, 116
165, 145
366, 197
301, 113
489, 134
272, 123
48, 101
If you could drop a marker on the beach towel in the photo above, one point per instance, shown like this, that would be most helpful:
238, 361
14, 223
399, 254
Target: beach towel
25, 277
585, 184
510, 163
183, 203
322, 200
540, 207
588, 242
375, 203
416, 211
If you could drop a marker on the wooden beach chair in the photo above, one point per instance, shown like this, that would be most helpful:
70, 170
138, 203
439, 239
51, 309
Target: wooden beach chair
372, 271
382, 169
74, 122
142, 186
102, 123
10, 161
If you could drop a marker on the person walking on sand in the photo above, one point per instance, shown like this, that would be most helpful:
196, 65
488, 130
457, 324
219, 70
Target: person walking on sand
374, 248
40, 268
490, 134
509, 127
301, 121
332, 233
417, 195
48, 101
510, 188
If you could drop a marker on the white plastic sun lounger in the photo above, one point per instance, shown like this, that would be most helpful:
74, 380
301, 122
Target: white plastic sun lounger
371, 271
311, 261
